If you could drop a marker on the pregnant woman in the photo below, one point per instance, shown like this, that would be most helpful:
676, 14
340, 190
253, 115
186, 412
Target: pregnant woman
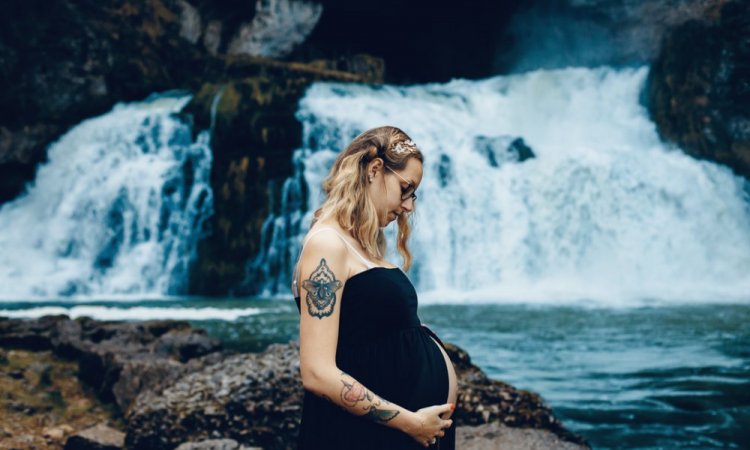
374, 376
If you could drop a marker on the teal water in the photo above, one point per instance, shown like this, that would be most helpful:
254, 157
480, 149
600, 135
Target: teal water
662, 377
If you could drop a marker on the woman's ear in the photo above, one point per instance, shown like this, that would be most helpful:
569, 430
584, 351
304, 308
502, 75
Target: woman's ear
375, 166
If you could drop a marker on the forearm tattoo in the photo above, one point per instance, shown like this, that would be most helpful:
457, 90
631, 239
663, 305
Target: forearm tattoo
321, 290
353, 393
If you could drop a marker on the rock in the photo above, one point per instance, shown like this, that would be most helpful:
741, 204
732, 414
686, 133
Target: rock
498, 150
496, 436
118, 360
54, 433
277, 27
254, 399
138, 345
698, 93
21, 149
31, 335
98, 437
38, 374
521, 151
215, 444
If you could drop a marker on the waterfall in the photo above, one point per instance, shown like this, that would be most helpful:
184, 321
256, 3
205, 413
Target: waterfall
115, 212
604, 211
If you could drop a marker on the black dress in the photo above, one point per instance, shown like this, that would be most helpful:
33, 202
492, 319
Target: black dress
383, 345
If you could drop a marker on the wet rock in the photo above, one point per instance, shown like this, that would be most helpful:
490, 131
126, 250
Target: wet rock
98, 437
520, 150
496, 436
135, 346
698, 93
498, 150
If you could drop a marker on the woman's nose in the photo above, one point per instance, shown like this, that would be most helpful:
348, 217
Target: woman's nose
408, 204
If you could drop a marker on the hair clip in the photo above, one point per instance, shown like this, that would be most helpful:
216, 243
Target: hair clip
406, 146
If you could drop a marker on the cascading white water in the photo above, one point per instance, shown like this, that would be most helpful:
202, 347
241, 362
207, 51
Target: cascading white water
605, 212
115, 212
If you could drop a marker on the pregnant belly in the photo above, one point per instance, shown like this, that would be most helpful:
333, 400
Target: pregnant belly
452, 379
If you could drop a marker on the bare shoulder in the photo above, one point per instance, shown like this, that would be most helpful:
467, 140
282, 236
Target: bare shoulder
325, 244
324, 239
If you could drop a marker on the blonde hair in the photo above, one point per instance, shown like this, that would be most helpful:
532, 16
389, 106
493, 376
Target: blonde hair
348, 200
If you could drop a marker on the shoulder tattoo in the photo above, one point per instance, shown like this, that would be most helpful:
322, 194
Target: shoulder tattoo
321, 290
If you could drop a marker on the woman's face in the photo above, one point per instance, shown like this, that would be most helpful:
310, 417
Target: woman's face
387, 188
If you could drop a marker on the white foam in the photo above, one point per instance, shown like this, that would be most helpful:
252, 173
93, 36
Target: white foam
134, 313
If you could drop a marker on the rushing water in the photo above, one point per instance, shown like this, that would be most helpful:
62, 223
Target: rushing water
604, 212
116, 211
662, 377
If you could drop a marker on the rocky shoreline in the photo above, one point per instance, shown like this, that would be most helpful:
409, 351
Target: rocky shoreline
164, 385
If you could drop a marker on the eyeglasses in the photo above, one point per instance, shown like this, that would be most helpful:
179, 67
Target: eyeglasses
407, 192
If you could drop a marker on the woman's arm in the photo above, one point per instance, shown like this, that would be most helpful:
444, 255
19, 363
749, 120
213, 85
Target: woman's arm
323, 273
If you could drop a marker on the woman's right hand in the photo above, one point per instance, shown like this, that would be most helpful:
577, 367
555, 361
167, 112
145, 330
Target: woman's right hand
428, 425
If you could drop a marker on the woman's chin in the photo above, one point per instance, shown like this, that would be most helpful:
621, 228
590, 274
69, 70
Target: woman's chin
386, 223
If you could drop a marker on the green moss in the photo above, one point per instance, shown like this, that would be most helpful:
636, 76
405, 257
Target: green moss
38, 392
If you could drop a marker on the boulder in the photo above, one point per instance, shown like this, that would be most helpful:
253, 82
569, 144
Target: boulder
98, 437
496, 436
215, 444
254, 399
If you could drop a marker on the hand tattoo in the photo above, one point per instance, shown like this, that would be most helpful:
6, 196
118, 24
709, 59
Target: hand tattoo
321, 291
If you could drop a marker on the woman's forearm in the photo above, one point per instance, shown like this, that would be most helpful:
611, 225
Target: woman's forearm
342, 389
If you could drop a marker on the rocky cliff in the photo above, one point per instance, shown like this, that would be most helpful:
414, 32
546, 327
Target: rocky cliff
699, 87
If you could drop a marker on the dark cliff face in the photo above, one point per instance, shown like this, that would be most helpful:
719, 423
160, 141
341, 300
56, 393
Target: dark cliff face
63, 61
562, 33
699, 87
420, 40
426, 41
